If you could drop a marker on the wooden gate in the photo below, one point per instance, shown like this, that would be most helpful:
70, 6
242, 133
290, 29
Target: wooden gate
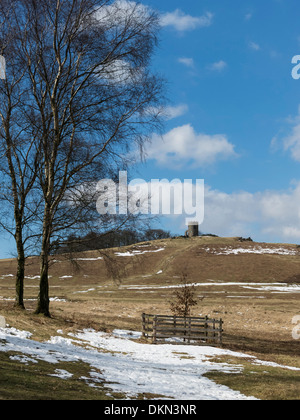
189, 329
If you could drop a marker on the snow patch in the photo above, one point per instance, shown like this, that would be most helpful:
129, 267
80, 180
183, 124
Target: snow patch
63, 374
263, 287
129, 367
255, 250
138, 252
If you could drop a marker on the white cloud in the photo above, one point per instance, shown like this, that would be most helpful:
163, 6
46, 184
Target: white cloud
291, 142
268, 214
188, 62
254, 46
272, 216
172, 112
114, 17
218, 66
183, 22
118, 72
118, 13
183, 146
168, 112
274, 145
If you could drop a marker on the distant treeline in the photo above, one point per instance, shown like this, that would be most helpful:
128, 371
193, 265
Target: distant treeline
94, 241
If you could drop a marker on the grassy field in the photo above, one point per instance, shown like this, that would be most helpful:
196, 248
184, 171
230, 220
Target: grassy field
255, 291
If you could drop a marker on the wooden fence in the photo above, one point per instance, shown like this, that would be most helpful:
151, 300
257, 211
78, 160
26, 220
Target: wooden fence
190, 329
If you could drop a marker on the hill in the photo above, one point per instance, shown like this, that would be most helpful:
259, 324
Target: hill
253, 287
233, 277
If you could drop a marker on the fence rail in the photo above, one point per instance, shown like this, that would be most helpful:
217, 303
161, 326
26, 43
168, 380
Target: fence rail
203, 330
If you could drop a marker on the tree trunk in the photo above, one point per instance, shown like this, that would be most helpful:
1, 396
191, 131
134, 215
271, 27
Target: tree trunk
19, 301
43, 298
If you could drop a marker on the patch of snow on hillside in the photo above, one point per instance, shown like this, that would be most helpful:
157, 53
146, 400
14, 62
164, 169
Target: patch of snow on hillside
267, 287
137, 252
56, 299
89, 259
176, 372
61, 373
281, 288
255, 250
129, 367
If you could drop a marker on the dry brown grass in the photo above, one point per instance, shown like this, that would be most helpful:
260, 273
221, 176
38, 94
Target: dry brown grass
255, 321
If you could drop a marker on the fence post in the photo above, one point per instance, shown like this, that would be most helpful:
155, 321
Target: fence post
221, 332
206, 327
144, 325
189, 334
154, 330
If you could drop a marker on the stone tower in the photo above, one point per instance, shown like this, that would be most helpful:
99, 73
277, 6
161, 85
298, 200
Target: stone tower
193, 230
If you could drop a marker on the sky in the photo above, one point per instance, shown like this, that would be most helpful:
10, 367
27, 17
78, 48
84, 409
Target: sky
233, 115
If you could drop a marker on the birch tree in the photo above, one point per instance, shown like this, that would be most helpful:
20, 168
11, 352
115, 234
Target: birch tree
94, 97
19, 150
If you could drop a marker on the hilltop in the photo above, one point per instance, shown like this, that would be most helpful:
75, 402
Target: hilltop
226, 271
227, 259
253, 287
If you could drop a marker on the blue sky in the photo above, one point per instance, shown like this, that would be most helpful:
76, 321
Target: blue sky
234, 116
236, 113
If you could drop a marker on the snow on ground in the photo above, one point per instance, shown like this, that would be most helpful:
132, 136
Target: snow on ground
52, 299
263, 287
254, 250
276, 288
89, 259
130, 367
85, 291
175, 372
137, 252
56, 299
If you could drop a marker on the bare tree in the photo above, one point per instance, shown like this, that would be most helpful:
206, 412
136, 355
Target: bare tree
19, 152
92, 94
184, 298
